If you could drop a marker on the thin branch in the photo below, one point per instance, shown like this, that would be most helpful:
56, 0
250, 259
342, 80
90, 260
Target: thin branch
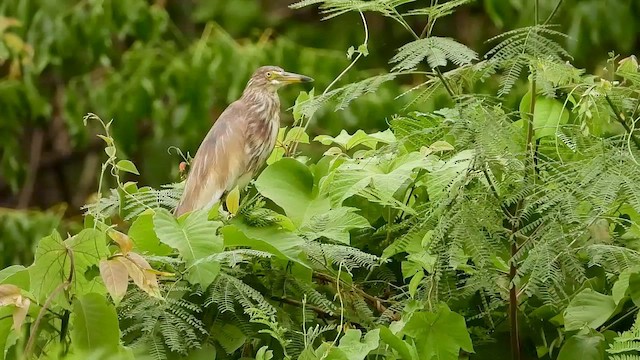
553, 13
316, 309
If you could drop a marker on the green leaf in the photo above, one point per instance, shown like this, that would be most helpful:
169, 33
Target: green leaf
297, 106
439, 335
549, 115
634, 288
273, 240
334, 224
588, 309
52, 264
128, 166
589, 346
95, 324
289, 184
206, 352
110, 150
354, 349
396, 343
6, 322
144, 237
264, 353
348, 142
296, 134
195, 238
229, 336
17, 275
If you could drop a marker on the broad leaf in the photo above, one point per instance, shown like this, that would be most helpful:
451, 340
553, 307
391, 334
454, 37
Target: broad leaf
289, 184
52, 264
354, 349
588, 309
95, 324
115, 277
140, 272
11, 295
281, 243
17, 275
399, 345
195, 238
439, 335
334, 224
549, 115
587, 346
144, 236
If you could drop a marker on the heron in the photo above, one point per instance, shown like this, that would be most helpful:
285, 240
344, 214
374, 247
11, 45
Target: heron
239, 142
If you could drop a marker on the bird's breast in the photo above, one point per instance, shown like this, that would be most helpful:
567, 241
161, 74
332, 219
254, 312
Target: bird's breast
262, 132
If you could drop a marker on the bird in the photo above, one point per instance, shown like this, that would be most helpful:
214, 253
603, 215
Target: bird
239, 142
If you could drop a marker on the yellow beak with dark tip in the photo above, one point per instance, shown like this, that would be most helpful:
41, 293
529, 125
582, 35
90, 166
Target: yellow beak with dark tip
292, 78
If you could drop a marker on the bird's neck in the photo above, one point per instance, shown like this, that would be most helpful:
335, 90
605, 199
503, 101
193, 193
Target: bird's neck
263, 103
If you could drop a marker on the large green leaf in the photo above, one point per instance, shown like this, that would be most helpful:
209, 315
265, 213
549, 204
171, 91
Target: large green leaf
384, 174
52, 264
396, 343
583, 346
95, 324
334, 224
6, 322
439, 335
195, 238
289, 184
355, 349
276, 241
17, 275
144, 237
588, 309
549, 115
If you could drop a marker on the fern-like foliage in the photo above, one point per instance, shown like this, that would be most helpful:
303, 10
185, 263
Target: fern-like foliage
333, 8
164, 325
437, 51
627, 345
521, 48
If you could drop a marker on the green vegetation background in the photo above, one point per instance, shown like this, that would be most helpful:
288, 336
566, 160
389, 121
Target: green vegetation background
164, 69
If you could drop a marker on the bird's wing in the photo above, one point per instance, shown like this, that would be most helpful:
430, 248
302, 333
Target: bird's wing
218, 163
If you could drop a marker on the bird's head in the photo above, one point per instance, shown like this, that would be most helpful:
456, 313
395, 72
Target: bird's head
271, 78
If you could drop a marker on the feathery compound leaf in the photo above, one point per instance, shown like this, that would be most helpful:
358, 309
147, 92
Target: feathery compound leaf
333, 8
437, 50
440, 10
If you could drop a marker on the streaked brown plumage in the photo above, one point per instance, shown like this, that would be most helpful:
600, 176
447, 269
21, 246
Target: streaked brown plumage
239, 142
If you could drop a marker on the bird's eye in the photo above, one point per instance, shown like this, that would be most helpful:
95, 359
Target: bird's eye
269, 75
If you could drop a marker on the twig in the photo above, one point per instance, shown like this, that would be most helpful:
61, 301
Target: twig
316, 309
36, 325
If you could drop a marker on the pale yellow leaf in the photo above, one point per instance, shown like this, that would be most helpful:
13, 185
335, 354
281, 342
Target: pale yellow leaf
10, 295
233, 200
123, 241
115, 277
148, 282
20, 313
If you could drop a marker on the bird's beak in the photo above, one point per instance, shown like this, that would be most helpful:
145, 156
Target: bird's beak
291, 78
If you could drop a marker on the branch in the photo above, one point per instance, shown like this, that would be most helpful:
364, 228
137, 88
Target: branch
297, 303
376, 302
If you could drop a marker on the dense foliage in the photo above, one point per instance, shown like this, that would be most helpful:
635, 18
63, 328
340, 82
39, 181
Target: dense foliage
502, 225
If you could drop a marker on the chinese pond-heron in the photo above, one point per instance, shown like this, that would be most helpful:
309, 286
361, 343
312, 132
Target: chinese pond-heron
239, 142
